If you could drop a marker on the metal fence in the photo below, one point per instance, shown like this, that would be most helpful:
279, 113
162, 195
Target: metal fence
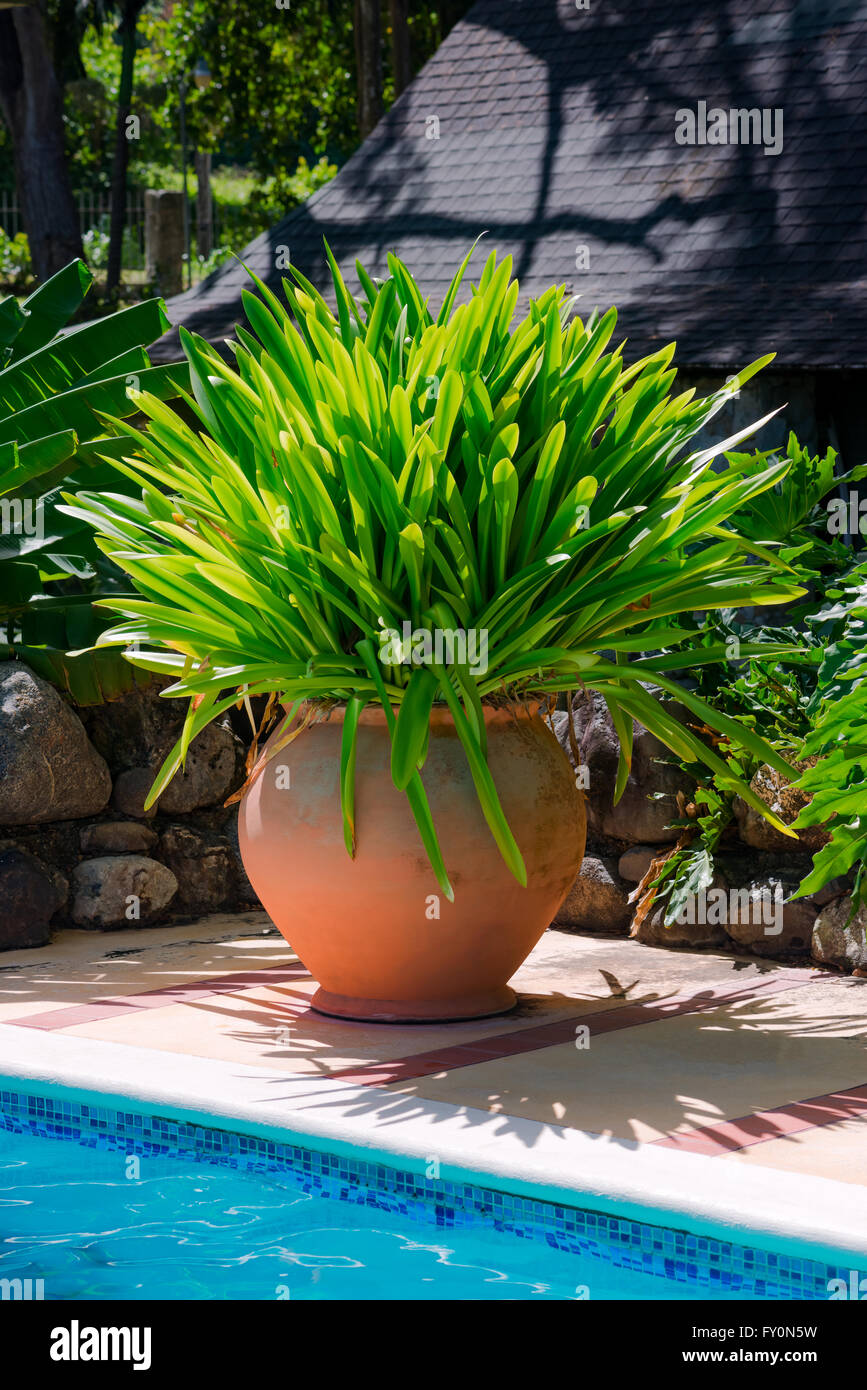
94, 210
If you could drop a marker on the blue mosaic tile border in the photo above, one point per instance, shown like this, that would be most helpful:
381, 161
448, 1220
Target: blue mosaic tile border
677, 1256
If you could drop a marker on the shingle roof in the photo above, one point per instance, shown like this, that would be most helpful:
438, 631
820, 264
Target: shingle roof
556, 131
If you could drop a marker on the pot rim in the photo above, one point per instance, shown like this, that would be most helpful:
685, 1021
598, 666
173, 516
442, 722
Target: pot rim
374, 713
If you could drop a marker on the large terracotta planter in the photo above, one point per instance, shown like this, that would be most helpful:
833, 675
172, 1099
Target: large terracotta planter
375, 931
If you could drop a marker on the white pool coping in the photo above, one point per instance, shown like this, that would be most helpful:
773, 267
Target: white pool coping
764, 1207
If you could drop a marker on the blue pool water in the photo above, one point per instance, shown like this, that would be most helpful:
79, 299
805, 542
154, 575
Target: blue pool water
185, 1232
101, 1204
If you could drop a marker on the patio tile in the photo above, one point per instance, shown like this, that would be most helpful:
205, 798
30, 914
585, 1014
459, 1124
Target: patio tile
739, 1058
648, 1081
833, 1151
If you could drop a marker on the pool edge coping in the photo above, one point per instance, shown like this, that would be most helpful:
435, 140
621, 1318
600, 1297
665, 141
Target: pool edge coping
755, 1205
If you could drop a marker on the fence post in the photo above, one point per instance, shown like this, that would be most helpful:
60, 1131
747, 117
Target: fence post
204, 205
164, 239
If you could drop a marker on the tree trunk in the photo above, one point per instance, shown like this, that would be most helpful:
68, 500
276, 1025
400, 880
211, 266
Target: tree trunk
400, 55
450, 11
368, 60
32, 106
68, 27
127, 31
204, 205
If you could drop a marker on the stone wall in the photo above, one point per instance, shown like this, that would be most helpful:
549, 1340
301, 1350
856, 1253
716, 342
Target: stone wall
824, 408
758, 868
77, 848
793, 394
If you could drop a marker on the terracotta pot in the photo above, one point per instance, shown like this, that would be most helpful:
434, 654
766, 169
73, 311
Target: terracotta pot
375, 931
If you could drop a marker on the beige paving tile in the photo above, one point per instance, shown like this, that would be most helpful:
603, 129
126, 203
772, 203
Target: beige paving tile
563, 977
275, 1027
82, 967
837, 1151
639, 1083
676, 1074
571, 962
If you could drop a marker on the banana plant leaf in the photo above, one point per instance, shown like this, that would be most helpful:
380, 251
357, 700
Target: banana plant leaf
56, 389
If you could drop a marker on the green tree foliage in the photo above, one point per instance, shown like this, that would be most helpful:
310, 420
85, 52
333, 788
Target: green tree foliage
284, 80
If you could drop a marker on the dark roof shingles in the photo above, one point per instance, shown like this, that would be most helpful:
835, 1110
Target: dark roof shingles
556, 129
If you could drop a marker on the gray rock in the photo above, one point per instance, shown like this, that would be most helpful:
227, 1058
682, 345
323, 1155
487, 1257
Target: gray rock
49, 770
834, 888
136, 732
652, 931
741, 865
121, 890
635, 862
209, 775
56, 846
781, 797
130, 792
559, 721
203, 865
838, 942
649, 801
30, 894
597, 900
137, 726
118, 837
760, 918
244, 888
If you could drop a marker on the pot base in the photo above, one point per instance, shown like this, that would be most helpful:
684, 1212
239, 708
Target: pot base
494, 1001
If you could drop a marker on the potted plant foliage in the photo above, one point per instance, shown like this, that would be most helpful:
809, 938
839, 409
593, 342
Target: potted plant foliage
409, 533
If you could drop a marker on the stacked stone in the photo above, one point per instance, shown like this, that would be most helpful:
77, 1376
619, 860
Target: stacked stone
754, 859
77, 848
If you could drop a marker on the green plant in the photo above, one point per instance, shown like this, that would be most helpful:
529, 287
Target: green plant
794, 515
768, 692
837, 783
15, 269
382, 467
787, 511
95, 242
777, 696
53, 390
219, 256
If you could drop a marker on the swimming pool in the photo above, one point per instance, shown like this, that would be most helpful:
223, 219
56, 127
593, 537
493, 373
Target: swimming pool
100, 1203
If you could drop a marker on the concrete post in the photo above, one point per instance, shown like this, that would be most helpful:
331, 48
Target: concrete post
164, 240
204, 205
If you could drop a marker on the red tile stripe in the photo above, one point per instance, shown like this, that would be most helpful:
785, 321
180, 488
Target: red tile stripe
511, 1044
730, 1136
727, 1137
551, 1034
185, 993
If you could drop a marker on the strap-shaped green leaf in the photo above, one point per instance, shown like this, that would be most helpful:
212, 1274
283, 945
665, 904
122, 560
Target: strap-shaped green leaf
415, 792
475, 474
411, 729
51, 306
348, 750
484, 783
